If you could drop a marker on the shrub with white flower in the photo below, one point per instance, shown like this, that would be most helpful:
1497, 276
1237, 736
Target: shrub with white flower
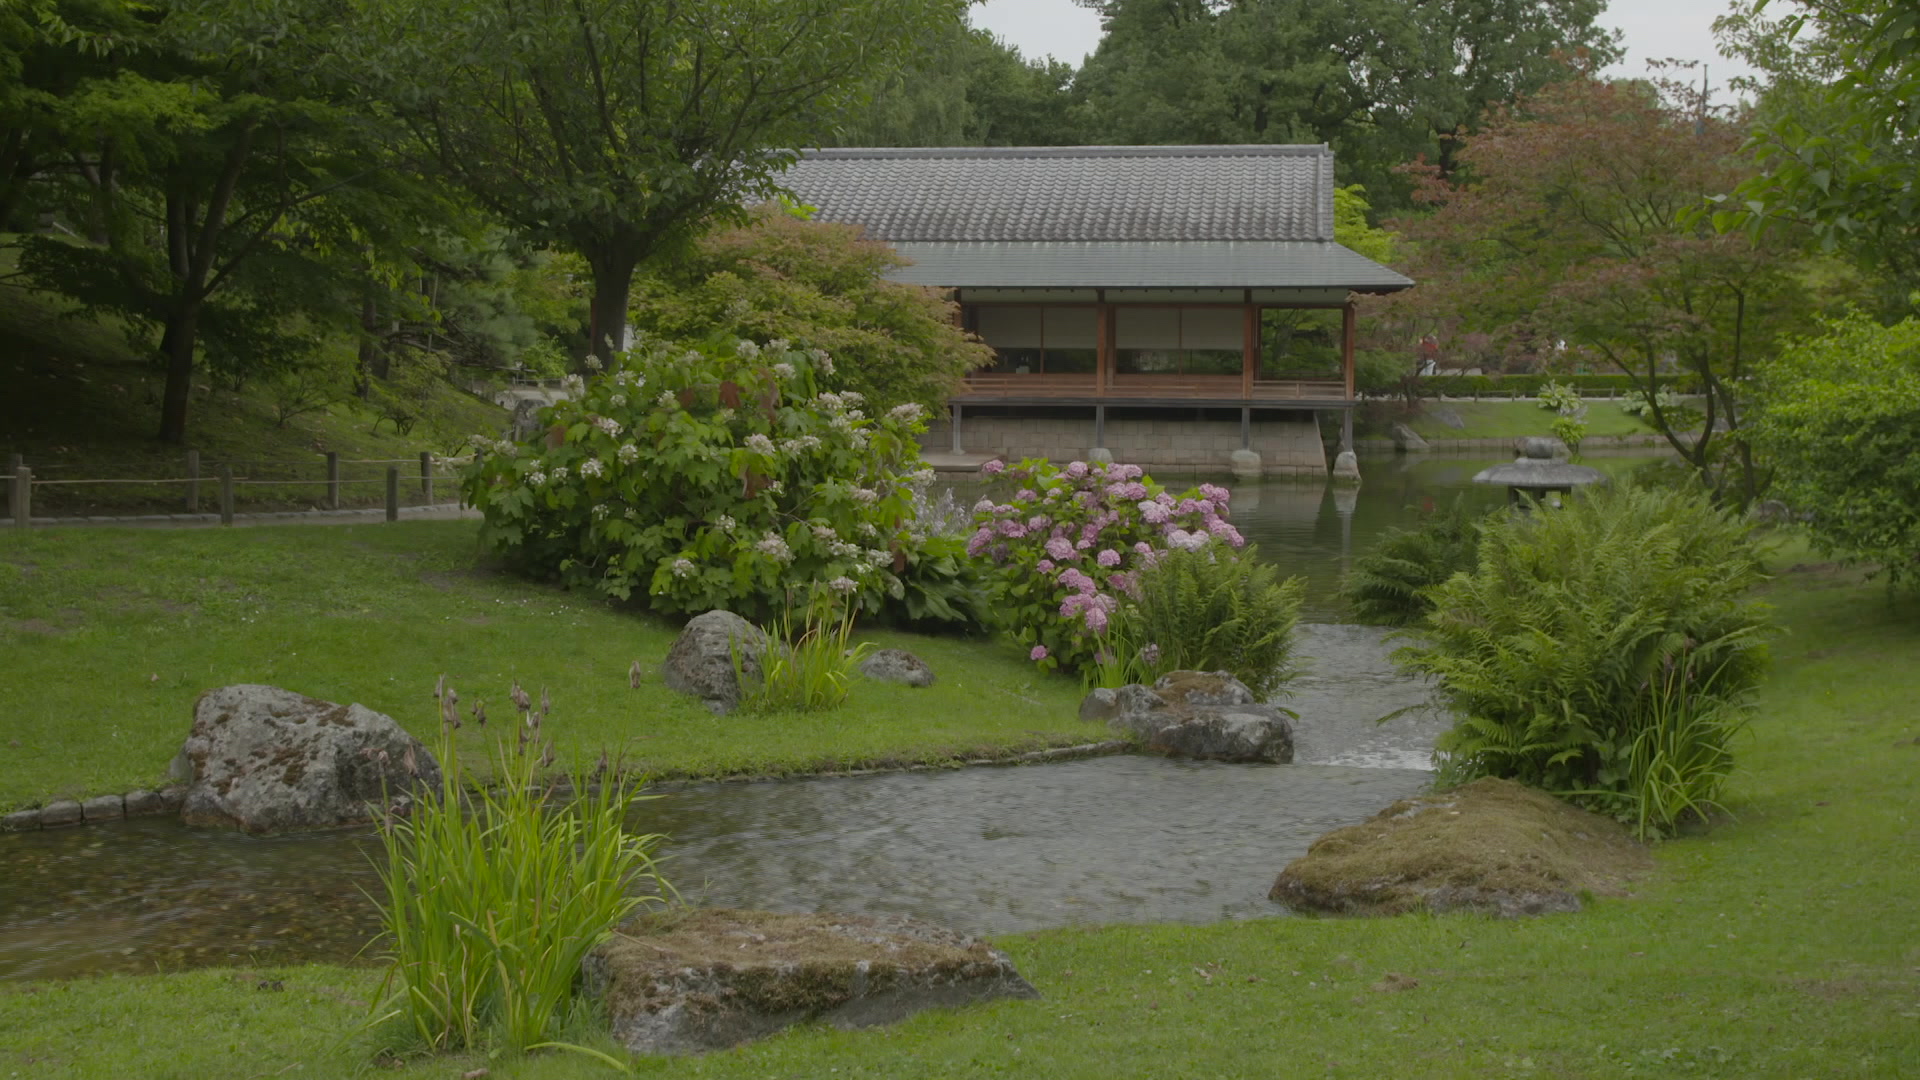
1057, 578
736, 486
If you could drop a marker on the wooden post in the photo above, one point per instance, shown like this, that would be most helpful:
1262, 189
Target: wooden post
426, 475
393, 494
22, 498
1250, 360
15, 462
226, 494
333, 480
1100, 426
1346, 346
193, 481
1102, 347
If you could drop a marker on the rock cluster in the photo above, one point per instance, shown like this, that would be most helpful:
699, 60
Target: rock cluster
1211, 716
706, 980
896, 666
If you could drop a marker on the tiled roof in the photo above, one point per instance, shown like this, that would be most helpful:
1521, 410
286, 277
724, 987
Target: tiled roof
1228, 264
1074, 193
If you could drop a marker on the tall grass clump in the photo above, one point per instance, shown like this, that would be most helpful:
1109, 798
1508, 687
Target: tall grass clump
1391, 584
805, 667
1604, 652
493, 896
1212, 609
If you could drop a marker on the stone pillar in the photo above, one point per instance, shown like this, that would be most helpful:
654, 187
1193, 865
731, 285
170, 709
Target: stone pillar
1346, 468
1246, 464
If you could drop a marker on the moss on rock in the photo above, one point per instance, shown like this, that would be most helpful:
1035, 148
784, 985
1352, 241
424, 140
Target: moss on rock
1492, 846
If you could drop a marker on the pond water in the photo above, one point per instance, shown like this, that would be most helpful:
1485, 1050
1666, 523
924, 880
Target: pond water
989, 850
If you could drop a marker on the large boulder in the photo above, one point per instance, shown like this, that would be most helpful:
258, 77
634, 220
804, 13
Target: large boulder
896, 666
1493, 846
712, 979
262, 759
1198, 714
702, 659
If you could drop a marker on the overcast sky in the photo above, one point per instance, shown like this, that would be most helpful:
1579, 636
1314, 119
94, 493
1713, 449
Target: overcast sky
1654, 29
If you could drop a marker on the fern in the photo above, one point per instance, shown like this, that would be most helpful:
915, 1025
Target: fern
1215, 610
1389, 585
1601, 651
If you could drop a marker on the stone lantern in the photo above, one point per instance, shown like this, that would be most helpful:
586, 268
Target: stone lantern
1541, 469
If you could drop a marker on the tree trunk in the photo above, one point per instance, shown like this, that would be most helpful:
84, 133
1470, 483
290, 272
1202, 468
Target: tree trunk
612, 283
371, 355
178, 343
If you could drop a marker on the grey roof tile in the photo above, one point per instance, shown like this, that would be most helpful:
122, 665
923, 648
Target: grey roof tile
1229, 264
1073, 193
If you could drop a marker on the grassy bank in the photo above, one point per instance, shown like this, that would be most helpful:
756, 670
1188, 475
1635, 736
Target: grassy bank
109, 635
78, 401
1512, 419
1784, 943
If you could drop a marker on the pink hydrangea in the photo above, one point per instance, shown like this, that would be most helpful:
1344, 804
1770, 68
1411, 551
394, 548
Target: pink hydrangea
1045, 566
1077, 581
1038, 652
980, 539
1096, 620
1215, 494
1038, 522
1075, 470
1143, 548
1012, 530
1153, 513
1126, 472
1059, 547
1119, 579
995, 468
1109, 557
1026, 495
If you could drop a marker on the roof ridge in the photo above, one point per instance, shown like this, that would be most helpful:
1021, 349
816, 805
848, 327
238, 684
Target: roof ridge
1097, 151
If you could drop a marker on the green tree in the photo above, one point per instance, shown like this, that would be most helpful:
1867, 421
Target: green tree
1571, 236
618, 129
1840, 421
1381, 81
215, 161
816, 286
973, 89
1838, 134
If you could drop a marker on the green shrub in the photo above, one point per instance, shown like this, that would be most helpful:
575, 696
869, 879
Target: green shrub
1531, 385
1581, 630
1570, 430
1212, 609
492, 897
1391, 583
1559, 398
1840, 423
721, 479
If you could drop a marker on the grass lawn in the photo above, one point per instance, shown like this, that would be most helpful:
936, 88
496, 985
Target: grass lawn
109, 635
1512, 419
1784, 943
77, 401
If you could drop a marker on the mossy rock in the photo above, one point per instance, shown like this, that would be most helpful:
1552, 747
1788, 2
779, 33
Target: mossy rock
708, 979
1492, 846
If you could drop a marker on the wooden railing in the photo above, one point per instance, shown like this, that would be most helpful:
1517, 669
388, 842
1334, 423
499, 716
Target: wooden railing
991, 386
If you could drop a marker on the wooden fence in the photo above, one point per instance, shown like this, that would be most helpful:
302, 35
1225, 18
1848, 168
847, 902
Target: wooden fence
224, 481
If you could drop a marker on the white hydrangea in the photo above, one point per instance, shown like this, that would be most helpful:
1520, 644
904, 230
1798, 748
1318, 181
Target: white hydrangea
867, 529
800, 444
628, 453
779, 344
537, 478
843, 585
907, 413
879, 558
609, 425
775, 487
666, 400
573, 384
619, 401
747, 349
559, 473
830, 400
601, 511
840, 549
865, 496
725, 522
825, 533
775, 548
593, 362
682, 567
822, 361
783, 369
758, 443
591, 468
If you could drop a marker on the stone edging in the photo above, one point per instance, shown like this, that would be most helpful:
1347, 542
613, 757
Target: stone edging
136, 803
1591, 442
143, 803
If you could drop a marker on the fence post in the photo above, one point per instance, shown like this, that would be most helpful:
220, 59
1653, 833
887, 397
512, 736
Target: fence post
193, 481
226, 494
333, 479
22, 495
15, 462
393, 494
426, 475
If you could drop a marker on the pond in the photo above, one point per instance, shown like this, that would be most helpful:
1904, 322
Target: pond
989, 850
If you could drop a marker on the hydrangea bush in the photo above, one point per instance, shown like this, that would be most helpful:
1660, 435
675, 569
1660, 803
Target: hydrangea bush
721, 478
1068, 543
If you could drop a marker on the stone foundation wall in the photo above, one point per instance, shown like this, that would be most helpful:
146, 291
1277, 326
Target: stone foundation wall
1286, 447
